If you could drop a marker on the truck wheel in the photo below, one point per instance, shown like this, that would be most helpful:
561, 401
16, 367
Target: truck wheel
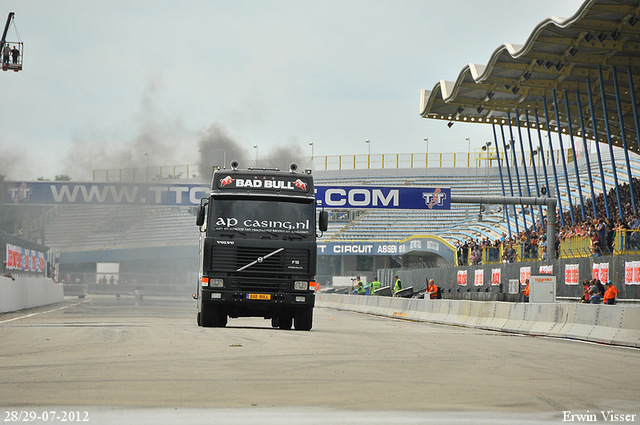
199, 322
285, 321
275, 322
304, 319
213, 317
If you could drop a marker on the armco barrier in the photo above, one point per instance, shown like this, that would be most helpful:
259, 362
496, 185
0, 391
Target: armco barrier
610, 324
23, 293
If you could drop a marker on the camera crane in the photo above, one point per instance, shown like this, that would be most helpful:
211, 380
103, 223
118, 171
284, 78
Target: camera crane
11, 51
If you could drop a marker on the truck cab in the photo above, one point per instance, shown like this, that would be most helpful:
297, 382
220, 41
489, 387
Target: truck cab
258, 247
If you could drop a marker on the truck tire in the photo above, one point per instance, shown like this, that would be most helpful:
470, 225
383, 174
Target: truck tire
304, 319
285, 321
275, 322
213, 317
199, 322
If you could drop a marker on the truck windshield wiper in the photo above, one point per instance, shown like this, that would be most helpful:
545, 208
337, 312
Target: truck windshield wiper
260, 259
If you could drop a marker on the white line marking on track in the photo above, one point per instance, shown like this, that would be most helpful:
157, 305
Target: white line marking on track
40, 312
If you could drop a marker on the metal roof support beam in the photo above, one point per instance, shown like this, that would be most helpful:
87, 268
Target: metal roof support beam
624, 139
594, 127
551, 204
506, 160
542, 156
573, 149
564, 161
606, 124
586, 149
553, 161
506, 210
533, 159
632, 91
512, 144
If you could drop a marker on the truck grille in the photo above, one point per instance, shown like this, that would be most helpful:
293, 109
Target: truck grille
258, 284
231, 258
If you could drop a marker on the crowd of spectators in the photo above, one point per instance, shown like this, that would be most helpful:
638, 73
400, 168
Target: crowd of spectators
599, 230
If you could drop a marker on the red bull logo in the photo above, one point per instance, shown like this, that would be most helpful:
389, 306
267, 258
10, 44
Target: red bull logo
300, 184
225, 181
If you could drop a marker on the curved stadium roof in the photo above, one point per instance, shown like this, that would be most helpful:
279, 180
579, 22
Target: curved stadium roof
566, 58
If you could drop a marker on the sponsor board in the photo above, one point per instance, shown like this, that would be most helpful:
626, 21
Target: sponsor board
182, 194
386, 197
266, 183
65, 193
414, 244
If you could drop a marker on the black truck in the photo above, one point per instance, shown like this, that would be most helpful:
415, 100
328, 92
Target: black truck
258, 247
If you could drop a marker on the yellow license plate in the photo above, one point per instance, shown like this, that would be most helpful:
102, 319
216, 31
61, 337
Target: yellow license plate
258, 296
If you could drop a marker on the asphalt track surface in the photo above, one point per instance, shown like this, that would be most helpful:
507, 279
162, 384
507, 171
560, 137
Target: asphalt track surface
150, 363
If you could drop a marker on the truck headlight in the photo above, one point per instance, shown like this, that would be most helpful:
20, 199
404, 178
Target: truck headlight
216, 283
300, 285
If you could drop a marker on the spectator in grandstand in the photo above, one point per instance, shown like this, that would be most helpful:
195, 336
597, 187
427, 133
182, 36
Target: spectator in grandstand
432, 289
595, 244
585, 291
610, 293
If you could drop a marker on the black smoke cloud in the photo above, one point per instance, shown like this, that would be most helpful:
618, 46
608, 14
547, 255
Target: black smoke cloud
160, 139
218, 148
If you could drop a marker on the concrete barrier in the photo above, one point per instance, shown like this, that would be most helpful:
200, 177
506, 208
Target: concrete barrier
23, 293
618, 325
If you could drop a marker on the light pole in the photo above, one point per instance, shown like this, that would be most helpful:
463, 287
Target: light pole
485, 148
311, 144
256, 148
426, 153
468, 139
147, 155
369, 153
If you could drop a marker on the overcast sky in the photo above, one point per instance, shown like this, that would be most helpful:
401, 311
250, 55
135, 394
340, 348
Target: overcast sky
105, 82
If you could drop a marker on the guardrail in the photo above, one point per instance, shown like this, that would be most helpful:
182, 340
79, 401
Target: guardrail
609, 324
472, 159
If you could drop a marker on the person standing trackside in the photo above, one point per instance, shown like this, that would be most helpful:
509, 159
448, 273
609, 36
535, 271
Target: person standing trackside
525, 292
360, 286
611, 293
375, 285
398, 285
432, 289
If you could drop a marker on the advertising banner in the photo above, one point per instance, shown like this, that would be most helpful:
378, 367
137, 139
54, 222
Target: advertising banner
632, 272
189, 194
390, 197
479, 278
18, 258
495, 276
601, 271
462, 277
525, 273
413, 244
546, 269
69, 193
571, 273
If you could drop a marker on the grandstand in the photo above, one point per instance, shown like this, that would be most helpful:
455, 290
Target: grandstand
88, 234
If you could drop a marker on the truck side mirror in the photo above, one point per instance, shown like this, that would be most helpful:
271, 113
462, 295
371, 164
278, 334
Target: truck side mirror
201, 212
323, 225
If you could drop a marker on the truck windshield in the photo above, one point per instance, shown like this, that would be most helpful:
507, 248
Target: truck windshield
259, 215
